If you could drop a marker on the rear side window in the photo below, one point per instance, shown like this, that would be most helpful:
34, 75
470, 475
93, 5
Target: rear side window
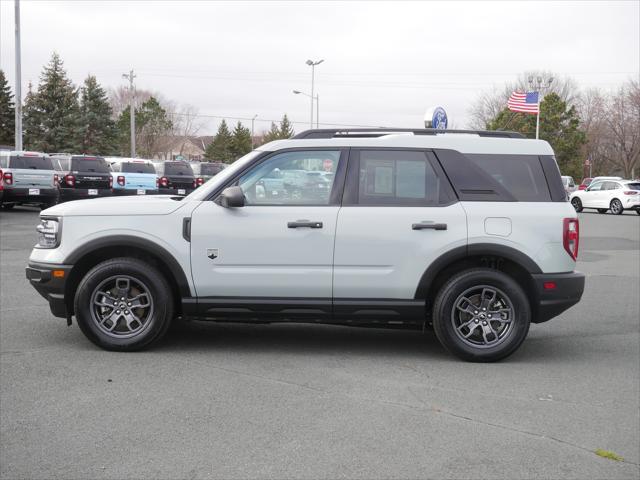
32, 163
178, 168
521, 175
398, 177
89, 164
133, 167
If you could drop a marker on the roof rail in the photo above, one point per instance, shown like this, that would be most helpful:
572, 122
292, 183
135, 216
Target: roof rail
381, 132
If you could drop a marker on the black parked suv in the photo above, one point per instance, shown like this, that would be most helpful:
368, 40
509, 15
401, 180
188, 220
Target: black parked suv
83, 176
175, 178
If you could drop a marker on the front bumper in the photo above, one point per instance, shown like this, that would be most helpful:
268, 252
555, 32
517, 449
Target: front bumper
49, 280
67, 194
25, 195
119, 192
552, 302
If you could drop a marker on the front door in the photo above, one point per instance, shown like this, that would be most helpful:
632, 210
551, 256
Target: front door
275, 254
594, 196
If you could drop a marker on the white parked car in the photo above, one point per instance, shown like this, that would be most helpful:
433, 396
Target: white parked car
569, 184
614, 195
469, 233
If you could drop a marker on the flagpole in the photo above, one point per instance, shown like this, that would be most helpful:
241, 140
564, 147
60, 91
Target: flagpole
538, 118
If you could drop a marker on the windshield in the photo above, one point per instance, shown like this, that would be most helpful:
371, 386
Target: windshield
135, 167
204, 191
32, 163
89, 164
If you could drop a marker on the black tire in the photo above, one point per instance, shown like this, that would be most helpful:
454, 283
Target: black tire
138, 276
602, 210
511, 334
638, 212
8, 206
616, 207
577, 204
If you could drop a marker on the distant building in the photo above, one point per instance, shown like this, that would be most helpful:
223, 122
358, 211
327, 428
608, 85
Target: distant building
189, 148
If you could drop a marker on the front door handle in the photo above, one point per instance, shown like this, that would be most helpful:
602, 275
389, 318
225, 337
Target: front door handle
304, 224
432, 226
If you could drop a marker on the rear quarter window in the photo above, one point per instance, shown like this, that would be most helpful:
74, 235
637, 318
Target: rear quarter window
521, 175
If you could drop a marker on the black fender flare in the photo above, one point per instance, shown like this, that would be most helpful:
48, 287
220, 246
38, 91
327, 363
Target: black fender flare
472, 250
131, 241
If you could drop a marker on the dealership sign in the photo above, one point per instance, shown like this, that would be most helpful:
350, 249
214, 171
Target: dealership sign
436, 117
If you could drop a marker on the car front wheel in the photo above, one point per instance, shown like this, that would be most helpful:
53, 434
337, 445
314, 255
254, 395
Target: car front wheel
577, 204
123, 304
616, 207
481, 315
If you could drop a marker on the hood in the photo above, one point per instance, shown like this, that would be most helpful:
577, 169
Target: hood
120, 206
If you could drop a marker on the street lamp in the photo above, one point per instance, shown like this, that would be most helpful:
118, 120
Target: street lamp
317, 99
312, 64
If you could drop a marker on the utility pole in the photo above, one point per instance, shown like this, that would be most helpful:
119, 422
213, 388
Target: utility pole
132, 111
312, 64
253, 120
18, 103
317, 110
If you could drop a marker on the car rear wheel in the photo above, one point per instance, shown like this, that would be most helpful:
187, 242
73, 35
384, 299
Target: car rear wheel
616, 207
577, 204
481, 315
124, 304
602, 210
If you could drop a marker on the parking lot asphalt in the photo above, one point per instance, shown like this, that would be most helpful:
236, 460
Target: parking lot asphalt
312, 401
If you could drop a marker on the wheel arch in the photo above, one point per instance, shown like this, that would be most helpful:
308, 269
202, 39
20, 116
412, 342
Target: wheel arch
89, 255
506, 259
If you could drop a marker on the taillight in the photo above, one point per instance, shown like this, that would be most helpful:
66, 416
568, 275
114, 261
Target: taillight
571, 236
164, 182
8, 178
70, 180
120, 180
110, 182
199, 181
631, 192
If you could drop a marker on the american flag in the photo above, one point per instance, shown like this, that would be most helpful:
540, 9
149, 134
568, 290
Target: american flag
523, 102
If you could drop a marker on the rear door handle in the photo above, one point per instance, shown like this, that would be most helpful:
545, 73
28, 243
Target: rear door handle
432, 226
304, 224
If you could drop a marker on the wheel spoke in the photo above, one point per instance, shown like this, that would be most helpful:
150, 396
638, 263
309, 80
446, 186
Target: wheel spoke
487, 297
139, 301
123, 285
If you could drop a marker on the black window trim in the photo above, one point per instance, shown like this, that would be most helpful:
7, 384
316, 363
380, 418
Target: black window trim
352, 184
338, 182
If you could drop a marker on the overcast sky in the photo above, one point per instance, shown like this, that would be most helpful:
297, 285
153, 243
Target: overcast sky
385, 62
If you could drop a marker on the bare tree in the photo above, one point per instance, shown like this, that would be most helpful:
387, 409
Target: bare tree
622, 142
592, 109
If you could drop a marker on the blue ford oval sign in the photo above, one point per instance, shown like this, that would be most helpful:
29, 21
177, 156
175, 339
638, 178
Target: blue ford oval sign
439, 119
436, 117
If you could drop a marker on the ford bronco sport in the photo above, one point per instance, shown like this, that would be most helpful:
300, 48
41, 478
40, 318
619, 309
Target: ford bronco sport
469, 233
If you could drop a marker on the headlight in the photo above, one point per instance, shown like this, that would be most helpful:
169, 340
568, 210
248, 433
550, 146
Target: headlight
48, 233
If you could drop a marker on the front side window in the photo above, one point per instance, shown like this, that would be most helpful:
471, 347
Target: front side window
292, 178
596, 187
393, 177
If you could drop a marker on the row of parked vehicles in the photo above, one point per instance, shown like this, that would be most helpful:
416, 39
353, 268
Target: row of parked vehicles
604, 194
36, 178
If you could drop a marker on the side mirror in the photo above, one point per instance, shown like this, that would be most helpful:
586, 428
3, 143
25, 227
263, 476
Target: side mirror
232, 197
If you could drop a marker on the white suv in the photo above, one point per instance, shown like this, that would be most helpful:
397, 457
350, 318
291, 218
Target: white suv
468, 233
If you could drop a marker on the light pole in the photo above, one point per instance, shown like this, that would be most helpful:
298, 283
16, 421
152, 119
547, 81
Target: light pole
317, 100
18, 97
132, 111
252, 124
312, 64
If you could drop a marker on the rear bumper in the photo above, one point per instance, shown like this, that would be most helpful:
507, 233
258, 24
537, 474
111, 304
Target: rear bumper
23, 195
553, 301
67, 194
50, 285
120, 192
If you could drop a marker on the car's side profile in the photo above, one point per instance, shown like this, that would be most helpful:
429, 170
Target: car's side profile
469, 234
604, 195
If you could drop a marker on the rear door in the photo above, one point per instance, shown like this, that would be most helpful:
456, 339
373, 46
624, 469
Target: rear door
398, 215
139, 175
32, 171
91, 172
179, 174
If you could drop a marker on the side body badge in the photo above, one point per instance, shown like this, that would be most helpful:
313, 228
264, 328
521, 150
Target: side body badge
212, 253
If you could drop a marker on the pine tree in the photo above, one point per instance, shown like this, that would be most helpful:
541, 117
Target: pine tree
52, 114
240, 141
272, 134
286, 129
220, 149
98, 130
7, 113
